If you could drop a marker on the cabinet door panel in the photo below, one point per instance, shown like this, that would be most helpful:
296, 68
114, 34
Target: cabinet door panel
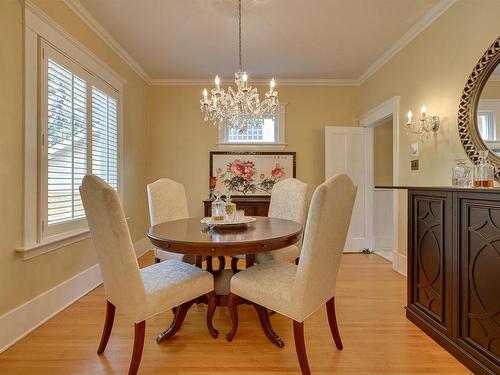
430, 252
479, 276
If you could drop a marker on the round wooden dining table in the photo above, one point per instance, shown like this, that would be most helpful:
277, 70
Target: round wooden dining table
190, 236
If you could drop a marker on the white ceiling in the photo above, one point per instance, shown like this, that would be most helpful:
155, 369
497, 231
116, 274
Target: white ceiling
288, 39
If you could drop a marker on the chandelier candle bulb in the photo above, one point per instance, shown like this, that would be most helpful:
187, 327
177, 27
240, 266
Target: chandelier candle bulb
238, 109
410, 115
423, 110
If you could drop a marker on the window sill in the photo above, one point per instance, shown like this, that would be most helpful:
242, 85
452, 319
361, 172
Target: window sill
252, 146
56, 242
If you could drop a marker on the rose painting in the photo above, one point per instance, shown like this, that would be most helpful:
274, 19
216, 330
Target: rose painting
249, 174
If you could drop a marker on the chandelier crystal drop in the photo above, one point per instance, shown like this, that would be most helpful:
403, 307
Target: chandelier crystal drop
238, 109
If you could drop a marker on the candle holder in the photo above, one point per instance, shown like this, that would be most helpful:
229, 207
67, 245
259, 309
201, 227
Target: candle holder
424, 125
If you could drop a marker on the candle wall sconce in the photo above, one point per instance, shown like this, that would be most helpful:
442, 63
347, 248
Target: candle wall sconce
424, 125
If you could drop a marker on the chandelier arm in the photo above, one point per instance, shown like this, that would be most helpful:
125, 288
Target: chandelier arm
239, 35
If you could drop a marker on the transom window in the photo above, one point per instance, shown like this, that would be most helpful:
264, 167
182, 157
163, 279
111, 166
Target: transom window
269, 129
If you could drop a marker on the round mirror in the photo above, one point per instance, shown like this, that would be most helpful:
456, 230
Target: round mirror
488, 113
479, 110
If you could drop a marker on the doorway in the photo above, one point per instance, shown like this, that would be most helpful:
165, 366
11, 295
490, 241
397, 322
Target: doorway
384, 120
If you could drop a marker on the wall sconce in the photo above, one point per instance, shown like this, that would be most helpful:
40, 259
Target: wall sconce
425, 124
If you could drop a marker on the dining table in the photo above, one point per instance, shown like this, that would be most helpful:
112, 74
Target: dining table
191, 236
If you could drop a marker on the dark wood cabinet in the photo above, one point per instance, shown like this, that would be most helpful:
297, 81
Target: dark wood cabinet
454, 271
251, 206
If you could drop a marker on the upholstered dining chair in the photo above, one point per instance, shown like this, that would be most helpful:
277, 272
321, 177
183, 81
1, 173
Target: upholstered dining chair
297, 291
137, 293
167, 201
288, 201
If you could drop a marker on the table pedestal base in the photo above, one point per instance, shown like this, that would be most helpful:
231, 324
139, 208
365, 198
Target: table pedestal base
222, 286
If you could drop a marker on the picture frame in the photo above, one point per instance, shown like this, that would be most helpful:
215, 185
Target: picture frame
249, 174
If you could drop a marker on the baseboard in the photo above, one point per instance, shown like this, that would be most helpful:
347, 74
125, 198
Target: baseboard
399, 262
20, 321
387, 254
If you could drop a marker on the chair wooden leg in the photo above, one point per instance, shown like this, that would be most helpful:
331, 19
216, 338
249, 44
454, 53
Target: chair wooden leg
108, 325
212, 304
222, 262
332, 320
234, 264
232, 306
140, 329
266, 326
180, 314
300, 347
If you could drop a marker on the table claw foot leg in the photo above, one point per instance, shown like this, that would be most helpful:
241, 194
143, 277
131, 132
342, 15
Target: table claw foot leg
266, 326
180, 314
232, 305
212, 304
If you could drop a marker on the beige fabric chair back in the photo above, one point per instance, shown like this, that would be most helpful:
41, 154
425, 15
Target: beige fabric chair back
115, 252
324, 240
289, 200
167, 201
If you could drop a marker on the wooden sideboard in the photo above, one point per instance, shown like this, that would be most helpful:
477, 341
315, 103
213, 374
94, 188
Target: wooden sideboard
251, 206
454, 271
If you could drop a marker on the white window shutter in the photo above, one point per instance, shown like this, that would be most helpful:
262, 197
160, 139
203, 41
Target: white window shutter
105, 137
66, 143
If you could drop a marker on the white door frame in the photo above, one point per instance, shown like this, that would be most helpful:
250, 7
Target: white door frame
371, 119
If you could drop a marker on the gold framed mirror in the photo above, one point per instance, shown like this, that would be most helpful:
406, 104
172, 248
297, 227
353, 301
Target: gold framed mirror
479, 110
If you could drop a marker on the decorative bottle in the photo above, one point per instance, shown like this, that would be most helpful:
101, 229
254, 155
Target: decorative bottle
230, 209
218, 207
461, 174
484, 171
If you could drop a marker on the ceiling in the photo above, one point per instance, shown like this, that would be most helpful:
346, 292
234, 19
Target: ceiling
288, 39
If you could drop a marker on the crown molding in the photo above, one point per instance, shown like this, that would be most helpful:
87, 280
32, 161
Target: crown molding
95, 26
258, 82
411, 34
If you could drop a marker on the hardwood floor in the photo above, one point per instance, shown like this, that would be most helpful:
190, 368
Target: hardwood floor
370, 303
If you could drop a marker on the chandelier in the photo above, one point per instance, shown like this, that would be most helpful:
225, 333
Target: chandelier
238, 109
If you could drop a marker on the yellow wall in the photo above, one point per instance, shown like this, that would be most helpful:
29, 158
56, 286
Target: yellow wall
180, 140
382, 154
433, 70
22, 280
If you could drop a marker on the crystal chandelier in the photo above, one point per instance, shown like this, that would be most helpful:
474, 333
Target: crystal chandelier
238, 109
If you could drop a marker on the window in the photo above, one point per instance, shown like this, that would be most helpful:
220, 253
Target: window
72, 126
267, 130
79, 136
486, 125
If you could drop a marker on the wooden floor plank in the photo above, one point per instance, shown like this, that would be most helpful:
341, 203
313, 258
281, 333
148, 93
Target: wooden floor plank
370, 300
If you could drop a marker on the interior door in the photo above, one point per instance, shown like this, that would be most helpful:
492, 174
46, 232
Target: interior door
350, 150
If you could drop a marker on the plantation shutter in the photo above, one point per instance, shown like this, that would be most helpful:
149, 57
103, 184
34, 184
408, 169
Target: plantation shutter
105, 137
66, 143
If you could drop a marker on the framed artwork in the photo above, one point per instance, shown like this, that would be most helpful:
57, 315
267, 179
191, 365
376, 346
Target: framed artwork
249, 174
